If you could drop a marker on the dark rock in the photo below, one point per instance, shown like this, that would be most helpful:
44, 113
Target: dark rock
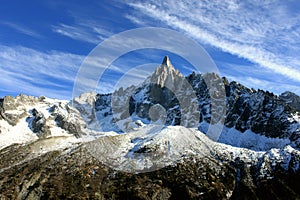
68, 118
291, 99
53, 109
37, 123
71, 127
1, 108
41, 98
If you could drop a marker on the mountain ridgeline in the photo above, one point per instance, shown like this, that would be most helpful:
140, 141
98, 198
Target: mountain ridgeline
179, 100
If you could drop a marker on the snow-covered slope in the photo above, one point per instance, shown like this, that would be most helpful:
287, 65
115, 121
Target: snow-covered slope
153, 147
26, 119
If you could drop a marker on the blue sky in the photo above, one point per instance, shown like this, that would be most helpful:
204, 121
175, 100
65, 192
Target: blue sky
43, 43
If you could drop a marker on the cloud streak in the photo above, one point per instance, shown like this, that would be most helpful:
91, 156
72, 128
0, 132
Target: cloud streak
87, 31
22, 29
37, 73
267, 34
77, 33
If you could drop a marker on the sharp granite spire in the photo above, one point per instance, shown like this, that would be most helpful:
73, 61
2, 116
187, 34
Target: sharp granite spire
165, 74
167, 62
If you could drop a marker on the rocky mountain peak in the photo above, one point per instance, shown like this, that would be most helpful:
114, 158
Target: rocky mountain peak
165, 74
167, 62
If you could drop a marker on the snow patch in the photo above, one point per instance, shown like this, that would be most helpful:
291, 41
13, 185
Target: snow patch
19, 134
251, 140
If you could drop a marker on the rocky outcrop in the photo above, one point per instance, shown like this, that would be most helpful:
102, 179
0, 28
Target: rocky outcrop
13, 109
167, 87
259, 111
37, 123
8, 104
1, 109
291, 99
165, 75
72, 128
68, 119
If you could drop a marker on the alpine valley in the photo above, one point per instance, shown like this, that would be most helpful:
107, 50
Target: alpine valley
171, 137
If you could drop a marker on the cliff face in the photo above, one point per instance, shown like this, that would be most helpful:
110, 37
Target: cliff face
291, 99
261, 112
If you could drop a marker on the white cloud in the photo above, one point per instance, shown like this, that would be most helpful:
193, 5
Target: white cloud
38, 73
22, 29
87, 31
135, 20
76, 33
266, 33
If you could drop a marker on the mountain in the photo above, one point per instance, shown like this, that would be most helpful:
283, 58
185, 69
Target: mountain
152, 141
186, 101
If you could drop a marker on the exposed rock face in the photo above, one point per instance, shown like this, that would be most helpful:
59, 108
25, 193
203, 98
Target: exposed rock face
68, 126
166, 87
165, 75
9, 104
262, 112
37, 123
246, 109
103, 102
13, 109
85, 104
291, 99
1, 109
69, 121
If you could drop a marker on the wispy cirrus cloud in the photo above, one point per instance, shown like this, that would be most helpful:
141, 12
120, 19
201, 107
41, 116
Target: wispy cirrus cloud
87, 31
136, 19
37, 73
77, 33
22, 29
265, 33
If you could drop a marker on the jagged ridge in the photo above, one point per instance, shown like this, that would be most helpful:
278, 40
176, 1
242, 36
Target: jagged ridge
259, 111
